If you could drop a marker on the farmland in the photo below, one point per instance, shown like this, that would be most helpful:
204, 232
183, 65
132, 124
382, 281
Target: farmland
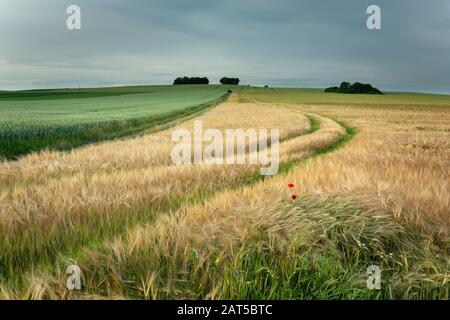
61, 119
371, 174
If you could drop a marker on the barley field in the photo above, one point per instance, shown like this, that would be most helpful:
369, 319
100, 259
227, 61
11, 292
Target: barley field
371, 175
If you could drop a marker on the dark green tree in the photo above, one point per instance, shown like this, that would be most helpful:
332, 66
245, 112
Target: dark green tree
231, 81
191, 80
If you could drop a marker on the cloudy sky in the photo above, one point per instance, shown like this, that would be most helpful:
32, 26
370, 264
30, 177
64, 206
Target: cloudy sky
306, 43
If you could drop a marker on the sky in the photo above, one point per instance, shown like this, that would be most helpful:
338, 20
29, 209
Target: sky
292, 43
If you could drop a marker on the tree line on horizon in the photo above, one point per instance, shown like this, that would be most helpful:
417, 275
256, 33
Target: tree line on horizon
232, 81
204, 80
357, 87
191, 80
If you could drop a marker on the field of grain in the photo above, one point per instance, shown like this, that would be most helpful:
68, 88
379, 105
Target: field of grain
371, 175
63, 119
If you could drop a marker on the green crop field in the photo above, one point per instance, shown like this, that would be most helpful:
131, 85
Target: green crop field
61, 119
317, 96
64, 118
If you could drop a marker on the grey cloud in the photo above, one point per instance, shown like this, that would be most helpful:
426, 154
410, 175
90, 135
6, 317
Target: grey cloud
285, 42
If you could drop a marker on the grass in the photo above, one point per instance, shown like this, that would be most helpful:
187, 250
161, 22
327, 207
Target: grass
260, 94
372, 187
305, 256
317, 96
52, 94
350, 132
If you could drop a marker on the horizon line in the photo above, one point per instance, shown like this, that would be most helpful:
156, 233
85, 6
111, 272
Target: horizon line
216, 84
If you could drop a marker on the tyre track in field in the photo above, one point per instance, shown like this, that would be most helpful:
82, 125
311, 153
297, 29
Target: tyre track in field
41, 251
96, 241
41, 168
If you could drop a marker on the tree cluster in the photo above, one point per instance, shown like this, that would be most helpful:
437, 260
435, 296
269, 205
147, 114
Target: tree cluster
191, 80
357, 87
232, 81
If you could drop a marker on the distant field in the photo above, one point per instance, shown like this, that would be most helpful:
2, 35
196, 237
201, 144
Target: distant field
61, 119
51, 94
64, 118
317, 96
